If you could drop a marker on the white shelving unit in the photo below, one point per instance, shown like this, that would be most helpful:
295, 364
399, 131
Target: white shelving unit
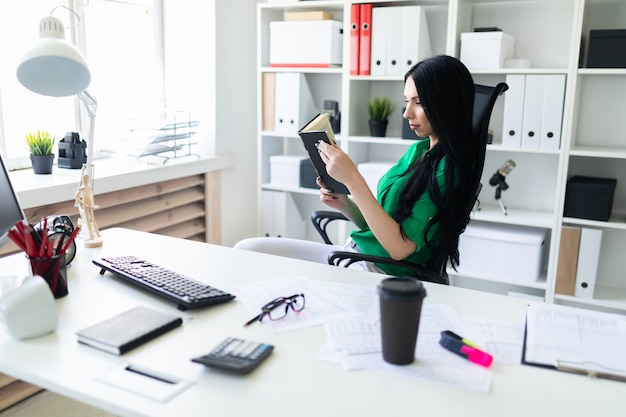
552, 35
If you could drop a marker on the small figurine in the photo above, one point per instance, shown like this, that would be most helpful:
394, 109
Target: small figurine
86, 204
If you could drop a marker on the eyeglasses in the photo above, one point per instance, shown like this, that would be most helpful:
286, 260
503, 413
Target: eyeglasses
274, 311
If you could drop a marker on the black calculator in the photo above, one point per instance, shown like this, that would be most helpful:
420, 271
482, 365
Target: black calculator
237, 355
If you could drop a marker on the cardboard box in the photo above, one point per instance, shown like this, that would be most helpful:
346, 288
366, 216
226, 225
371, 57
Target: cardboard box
285, 169
372, 171
313, 43
607, 49
502, 252
486, 50
313, 15
589, 198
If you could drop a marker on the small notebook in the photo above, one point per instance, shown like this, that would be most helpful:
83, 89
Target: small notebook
317, 130
129, 329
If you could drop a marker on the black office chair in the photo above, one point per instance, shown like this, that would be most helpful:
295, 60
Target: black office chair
435, 271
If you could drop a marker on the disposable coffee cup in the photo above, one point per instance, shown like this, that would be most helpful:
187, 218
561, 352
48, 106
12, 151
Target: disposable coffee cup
401, 301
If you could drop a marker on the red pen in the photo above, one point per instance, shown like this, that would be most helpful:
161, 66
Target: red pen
44, 238
17, 238
70, 240
31, 246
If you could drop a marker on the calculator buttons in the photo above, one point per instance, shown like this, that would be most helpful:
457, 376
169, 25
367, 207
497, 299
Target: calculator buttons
237, 355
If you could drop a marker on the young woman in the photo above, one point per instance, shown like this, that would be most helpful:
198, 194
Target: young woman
423, 202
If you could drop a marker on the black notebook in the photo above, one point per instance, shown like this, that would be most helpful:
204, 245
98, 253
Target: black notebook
317, 130
129, 329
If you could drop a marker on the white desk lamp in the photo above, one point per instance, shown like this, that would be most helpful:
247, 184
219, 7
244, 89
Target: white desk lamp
55, 68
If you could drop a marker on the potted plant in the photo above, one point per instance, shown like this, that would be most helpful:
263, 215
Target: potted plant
41, 146
379, 109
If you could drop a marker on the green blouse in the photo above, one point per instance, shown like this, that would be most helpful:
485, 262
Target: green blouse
391, 186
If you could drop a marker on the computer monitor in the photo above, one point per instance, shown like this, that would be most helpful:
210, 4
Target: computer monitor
10, 210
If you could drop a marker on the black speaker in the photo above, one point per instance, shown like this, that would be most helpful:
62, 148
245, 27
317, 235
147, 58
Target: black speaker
331, 108
72, 151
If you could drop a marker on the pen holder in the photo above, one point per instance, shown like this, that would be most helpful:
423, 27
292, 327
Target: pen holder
53, 271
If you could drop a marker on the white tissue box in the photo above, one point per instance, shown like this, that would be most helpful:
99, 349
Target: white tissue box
285, 169
486, 50
502, 252
311, 43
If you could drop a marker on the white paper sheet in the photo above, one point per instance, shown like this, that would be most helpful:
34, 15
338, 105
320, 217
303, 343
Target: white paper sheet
577, 338
356, 344
503, 339
325, 301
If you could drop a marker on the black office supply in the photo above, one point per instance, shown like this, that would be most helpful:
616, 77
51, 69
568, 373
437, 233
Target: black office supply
607, 48
236, 355
308, 175
184, 291
127, 330
488, 29
72, 151
331, 108
589, 197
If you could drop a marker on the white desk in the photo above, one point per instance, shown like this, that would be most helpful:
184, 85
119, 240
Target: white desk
292, 381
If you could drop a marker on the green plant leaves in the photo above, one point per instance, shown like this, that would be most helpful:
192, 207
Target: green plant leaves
40, 143
379, 108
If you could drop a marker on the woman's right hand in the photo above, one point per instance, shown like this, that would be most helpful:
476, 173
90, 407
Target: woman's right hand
335, 201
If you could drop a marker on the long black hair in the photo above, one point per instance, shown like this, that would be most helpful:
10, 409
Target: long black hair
446, 92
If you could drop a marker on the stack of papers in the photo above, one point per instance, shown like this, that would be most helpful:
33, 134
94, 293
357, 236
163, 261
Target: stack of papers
351, 319
157, 137
357, 345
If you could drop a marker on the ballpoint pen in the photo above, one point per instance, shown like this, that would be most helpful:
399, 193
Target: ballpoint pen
464, 348
253, 319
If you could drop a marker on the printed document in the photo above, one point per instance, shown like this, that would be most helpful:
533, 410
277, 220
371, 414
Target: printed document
574, 339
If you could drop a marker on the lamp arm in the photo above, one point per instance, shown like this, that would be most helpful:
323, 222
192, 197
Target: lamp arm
90, 105
89, 101
84, 195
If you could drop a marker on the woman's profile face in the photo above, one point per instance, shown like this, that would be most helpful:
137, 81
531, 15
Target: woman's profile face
414, 113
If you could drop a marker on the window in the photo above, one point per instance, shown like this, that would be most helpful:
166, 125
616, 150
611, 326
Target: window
124, 49
123, 44
21, 110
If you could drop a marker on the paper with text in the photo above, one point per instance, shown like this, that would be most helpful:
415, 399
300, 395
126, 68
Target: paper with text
325, 301
582, 339
503, 339
356, 344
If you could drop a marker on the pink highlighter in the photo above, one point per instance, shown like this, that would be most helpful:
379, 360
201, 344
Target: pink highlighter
464, 348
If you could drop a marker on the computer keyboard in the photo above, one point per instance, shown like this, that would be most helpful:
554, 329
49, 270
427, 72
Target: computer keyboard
184, 291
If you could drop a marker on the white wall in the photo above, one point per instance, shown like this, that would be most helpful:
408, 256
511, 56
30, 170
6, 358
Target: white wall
236, 115
212, 43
